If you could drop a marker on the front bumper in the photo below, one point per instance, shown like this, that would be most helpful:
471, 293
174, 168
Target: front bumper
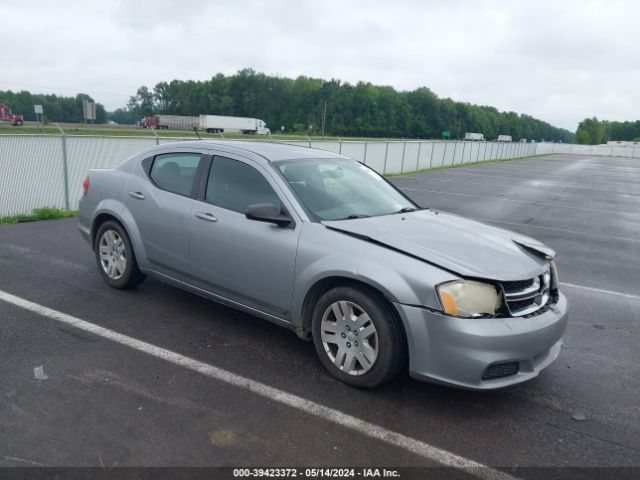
458, 351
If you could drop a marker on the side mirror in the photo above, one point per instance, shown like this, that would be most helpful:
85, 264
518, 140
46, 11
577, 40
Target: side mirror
267, 212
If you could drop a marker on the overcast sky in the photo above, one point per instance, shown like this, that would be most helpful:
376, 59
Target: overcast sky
559, 61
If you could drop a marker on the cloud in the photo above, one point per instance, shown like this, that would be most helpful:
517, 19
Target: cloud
558, 61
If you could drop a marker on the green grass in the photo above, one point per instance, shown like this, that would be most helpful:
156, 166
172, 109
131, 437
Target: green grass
457, 165
45, 213
29, 128
125, 131
96, 130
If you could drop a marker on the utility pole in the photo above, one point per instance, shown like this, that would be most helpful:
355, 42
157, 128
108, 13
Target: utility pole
324, 118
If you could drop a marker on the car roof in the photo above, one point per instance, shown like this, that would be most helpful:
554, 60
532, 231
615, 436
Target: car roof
270, 151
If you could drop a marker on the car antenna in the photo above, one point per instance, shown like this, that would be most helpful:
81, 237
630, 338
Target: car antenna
197, 134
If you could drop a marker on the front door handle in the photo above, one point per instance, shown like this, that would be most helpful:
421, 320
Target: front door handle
207, 217
137, 195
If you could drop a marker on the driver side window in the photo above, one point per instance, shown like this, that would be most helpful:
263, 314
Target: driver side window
234, 185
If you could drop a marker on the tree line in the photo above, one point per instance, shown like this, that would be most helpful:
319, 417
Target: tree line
55, 107
592, 131
304, 105
332, 107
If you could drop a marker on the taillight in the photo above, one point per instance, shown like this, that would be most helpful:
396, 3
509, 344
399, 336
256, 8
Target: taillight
85, 185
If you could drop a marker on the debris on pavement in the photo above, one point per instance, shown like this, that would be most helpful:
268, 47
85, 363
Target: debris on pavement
223, 438
38, 372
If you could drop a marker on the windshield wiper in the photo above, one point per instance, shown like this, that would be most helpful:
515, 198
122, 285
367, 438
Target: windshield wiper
353, 217
408, 209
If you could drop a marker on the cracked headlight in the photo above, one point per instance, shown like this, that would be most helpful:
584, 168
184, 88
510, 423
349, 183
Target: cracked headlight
467, 298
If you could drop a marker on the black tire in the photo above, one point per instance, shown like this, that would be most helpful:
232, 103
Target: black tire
132, 276
18, 123
391, 346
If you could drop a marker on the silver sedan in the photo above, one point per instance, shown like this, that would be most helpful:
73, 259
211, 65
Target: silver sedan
325, 246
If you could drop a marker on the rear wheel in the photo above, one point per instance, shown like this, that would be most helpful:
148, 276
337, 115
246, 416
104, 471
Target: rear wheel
357, 337
115, 257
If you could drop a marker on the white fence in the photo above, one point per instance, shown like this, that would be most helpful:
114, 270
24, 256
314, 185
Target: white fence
43, 170
599, 150
409, 155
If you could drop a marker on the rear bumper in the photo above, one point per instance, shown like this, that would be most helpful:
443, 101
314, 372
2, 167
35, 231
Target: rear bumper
84, 220
458, 351
85, 232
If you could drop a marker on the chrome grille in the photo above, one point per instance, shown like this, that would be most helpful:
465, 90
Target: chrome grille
525, 297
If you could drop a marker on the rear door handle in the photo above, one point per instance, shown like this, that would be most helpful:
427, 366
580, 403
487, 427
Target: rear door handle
137, 195
207, 217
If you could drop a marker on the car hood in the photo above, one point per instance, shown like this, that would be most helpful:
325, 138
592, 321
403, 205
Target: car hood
465, 247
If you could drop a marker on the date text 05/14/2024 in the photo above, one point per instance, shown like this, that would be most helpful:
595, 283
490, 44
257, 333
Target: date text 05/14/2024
364, 473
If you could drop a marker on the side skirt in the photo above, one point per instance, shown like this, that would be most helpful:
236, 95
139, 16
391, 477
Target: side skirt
219, 299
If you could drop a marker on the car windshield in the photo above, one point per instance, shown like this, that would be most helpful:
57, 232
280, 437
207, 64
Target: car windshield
341, 189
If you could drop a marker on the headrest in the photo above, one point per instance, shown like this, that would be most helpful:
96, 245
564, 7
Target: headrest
170, 168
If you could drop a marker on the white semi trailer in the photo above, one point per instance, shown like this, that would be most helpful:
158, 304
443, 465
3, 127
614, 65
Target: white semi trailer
220, 123
476, 137
505, 138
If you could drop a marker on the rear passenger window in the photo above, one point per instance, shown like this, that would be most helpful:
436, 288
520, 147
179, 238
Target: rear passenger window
235, 185
175, 172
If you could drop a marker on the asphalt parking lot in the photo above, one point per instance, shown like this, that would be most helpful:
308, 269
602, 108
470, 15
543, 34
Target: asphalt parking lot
106, 404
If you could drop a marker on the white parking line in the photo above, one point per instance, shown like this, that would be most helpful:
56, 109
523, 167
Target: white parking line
503, 199
608, 173
390, 437
600, 290
554, 229
612, 168
552, 174
23, 460
526, 183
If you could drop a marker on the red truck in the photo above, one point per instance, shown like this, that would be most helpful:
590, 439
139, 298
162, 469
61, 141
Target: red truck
148, 122
12, 118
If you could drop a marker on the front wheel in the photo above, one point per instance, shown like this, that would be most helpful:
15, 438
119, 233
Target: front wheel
115, 257
357, 336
